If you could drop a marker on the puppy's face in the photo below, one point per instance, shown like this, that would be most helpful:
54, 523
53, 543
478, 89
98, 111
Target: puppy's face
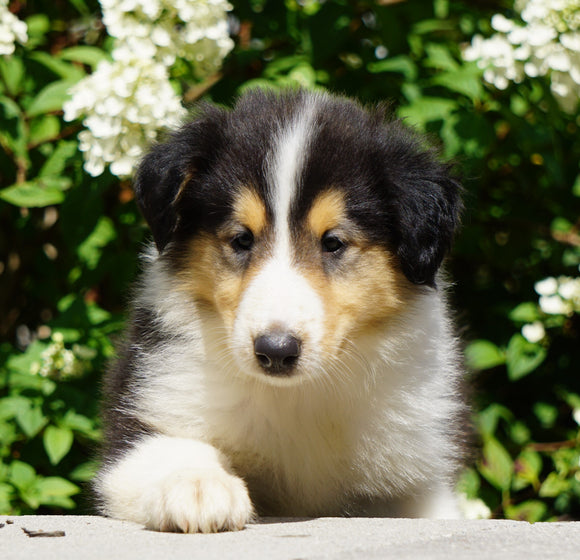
301, 223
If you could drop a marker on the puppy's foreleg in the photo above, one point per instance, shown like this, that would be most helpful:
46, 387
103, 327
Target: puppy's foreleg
175, 484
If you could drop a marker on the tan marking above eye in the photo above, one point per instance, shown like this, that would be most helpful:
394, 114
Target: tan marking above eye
328, 211
250, 211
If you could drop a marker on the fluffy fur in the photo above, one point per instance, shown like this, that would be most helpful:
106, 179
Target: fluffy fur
290, 351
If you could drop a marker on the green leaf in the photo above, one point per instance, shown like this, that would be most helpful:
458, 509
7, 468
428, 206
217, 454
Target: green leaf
483, 354
85, 472
22, 362
441, 8
9, 406
553, 486
519, 432
469, 483
13, 133
38, 27
487, 419
22, 475
530, 511
400, 64
6, 497
496, 465
546, 413
12, 73
438, 56
91, 56
96, 315
91, 249
10, 108
57, 161
523, 357
82, 8
576, 187
56, 491
528, 466
526, 312
81, 424
50, 99
61, 68
304, 75
31, 419
57, 443
561, 225
464, 81
9, 434
427, 109
43, 129
40, 192
427, 26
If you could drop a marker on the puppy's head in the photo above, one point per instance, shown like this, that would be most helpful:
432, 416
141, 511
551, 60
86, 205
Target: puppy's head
300, 222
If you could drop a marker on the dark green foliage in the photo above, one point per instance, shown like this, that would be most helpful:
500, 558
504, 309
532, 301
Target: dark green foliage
69, 242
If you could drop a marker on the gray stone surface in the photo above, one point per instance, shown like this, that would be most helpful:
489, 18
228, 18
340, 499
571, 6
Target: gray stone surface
92, 538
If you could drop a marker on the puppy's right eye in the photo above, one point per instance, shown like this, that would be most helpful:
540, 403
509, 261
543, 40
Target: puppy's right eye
243, 241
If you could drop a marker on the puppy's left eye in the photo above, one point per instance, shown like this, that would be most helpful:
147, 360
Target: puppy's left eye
243, 241
331, 243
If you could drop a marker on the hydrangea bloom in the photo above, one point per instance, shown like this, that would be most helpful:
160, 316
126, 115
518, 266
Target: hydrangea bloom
534, 332
545, 43
196, 30
125, 103
57, 362
11, 29
559, 296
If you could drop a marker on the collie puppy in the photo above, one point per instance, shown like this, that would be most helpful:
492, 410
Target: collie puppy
290, 351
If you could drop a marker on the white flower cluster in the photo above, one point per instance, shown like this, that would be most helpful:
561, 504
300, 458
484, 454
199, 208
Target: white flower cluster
11, 29
558, 296
546, 44
57, 362
196, 30
126, 102
472, 508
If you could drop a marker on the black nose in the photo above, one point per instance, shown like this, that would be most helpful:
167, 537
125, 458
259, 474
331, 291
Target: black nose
277, 352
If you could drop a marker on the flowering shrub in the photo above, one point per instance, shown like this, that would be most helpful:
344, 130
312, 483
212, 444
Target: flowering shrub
196, 31
546, 41
86, 85
11, 29
128, 101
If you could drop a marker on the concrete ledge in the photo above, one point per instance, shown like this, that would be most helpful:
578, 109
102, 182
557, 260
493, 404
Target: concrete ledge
97, 538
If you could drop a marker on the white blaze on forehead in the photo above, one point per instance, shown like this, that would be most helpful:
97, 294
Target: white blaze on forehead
279, 296
286, 165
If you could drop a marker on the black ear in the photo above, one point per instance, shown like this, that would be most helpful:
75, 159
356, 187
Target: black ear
172, 165
427, 210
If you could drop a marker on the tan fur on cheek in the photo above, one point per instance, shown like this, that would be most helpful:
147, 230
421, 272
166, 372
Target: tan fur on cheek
205, 277
210, 273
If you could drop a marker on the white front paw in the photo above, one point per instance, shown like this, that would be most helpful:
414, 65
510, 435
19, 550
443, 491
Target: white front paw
175, 484
199, 501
